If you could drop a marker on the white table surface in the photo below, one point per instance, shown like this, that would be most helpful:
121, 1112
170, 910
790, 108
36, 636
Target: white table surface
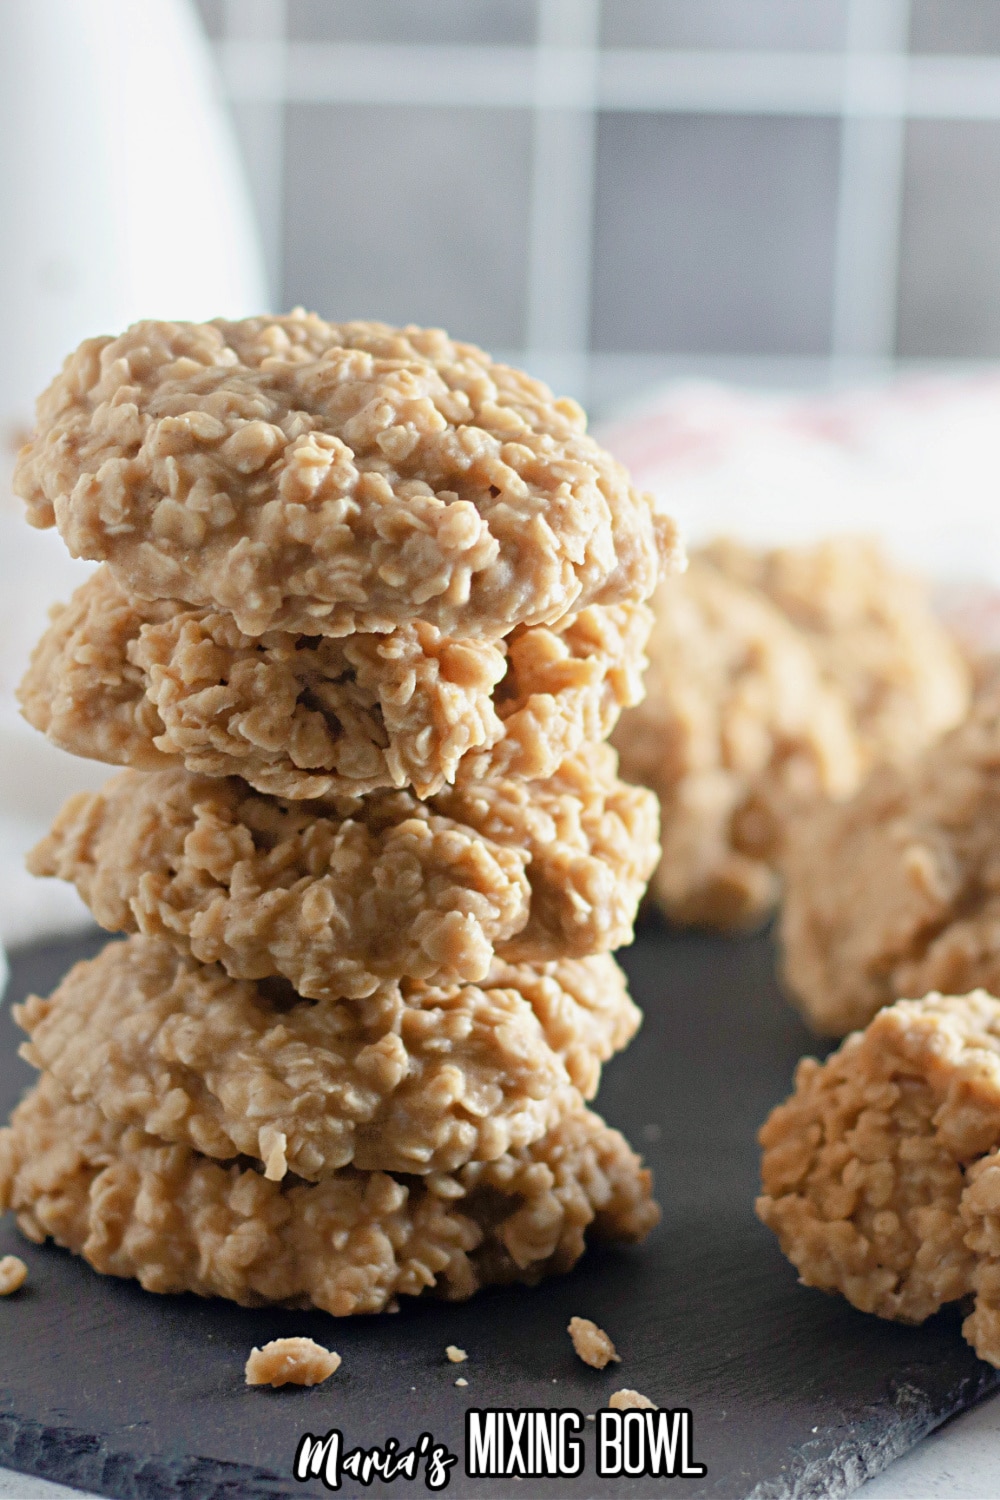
961, 1461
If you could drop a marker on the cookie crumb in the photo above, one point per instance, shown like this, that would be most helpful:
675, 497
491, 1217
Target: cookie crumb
461, 1381
591, 1416
592, 1343
455, 1354
626, 1400
13, 1274
291, 1362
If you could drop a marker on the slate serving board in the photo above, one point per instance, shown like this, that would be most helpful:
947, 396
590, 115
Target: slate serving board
792, 1393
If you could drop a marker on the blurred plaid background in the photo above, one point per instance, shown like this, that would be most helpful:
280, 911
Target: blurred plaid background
616, 191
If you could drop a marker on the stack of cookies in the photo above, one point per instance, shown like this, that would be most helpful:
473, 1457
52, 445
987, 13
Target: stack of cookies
368, 606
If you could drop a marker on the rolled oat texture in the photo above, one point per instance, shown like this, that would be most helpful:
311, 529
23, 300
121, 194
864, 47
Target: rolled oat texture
894, 893
873, 633
151, 684
880, 1173
738, 731
293, 1361
413, 1079
776, 681
339, 896
369, 604
177, 1221
330, 478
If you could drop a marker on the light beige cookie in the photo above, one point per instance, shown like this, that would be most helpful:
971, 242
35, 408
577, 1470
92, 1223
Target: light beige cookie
177, 1221
330, 478
873, 633
865, 1166
896, 892
737, 733
150, 685
339, 896
413, 1079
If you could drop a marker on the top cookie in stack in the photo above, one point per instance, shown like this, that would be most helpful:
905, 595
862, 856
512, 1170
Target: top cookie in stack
396, 556
368, 604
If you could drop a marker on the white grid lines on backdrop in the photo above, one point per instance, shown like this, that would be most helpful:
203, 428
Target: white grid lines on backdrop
872, 86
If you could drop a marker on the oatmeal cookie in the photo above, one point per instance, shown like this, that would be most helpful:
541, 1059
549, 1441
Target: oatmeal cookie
896, 892
338, 896
412, 1079
737, 733
149, 685
865, 1165
872, 631
329, 478
980, 1211
133, 1206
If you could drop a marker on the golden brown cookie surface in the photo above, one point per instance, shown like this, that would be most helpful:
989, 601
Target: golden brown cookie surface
873, 633
413, 1079
177, 1221
777, 679
865, 1166
895, 892
149, 685
329, 478
737, 731
337, 896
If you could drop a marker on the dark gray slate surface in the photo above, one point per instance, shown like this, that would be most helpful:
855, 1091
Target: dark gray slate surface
793, 1393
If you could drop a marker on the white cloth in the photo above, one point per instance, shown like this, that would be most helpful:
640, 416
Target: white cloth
916, 462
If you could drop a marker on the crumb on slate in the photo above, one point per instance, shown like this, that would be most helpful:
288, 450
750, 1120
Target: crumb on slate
592, 1343
455, 1354
461, 1381
294, 1361
625, 1400
13, 1274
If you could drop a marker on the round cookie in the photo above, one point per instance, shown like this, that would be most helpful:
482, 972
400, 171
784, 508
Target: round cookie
738, 731
150, 685
895, 892
338, 896
177, 1221
329, 478
980, 1211
413, 1079
872, 632
865, 1166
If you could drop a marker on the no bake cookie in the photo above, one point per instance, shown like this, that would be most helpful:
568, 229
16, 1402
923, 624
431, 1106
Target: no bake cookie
872, 631
412, 1079
880, 1174
329, 478
178, 1221
896, 892
738, 731
337, 897
776, 681
148, 685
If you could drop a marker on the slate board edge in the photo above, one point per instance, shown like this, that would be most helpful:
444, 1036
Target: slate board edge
845, 1466
67, 1455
